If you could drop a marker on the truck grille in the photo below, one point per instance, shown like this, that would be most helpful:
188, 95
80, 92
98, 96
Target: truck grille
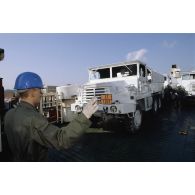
89, 93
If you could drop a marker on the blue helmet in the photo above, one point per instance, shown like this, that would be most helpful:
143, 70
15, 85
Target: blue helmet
28, 80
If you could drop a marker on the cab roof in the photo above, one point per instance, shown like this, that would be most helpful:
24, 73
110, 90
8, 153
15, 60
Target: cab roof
188, 72
116, 64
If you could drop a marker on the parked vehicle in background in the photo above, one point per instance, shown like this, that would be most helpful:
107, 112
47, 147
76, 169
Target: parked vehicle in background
187, 81
183, 81
167, 80
124, 91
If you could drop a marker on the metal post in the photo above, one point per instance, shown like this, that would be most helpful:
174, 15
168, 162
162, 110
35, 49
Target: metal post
1, 54
0, 137
1, 58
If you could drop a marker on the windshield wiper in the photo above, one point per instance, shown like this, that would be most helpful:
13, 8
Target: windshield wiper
128, 68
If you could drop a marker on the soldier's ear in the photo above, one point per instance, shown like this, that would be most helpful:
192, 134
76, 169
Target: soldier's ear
32, 93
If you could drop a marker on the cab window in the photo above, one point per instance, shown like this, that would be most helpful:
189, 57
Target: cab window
104, 73
124, 71
142, 71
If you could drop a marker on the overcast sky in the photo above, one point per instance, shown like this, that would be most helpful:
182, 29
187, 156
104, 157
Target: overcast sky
64, 58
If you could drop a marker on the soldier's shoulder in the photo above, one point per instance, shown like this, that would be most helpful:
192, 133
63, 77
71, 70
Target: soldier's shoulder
10, 111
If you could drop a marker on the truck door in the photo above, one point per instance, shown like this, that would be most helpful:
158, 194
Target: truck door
145, 79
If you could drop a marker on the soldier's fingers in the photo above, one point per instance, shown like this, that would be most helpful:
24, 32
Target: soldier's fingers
94, 99
95, 106
95, 102
90, 102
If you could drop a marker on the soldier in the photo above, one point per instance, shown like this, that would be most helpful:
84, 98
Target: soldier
29, 133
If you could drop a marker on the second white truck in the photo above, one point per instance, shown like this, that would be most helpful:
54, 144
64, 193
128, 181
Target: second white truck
187, 81
124, 91
183, 79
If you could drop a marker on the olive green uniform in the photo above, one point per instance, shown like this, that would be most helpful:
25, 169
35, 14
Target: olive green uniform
30, 135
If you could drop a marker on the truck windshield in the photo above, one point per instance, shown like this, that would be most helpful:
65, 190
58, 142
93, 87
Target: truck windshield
188, 76
192, 76
124, 71
100, 74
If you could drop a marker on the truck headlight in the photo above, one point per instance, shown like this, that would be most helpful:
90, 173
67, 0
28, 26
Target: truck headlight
113, 109
105, 109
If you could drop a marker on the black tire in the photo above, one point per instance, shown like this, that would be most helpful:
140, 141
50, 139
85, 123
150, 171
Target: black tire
155, 106
134, 124
159, 103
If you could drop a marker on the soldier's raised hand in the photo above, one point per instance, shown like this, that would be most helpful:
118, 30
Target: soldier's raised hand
90, 108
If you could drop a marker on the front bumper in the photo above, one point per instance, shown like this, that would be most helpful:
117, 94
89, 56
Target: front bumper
109, 108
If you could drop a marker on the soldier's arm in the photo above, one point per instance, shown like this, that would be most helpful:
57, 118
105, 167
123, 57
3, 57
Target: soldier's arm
52, 136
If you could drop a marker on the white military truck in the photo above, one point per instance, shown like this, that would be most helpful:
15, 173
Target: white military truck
184, 79
124, 91
187, 81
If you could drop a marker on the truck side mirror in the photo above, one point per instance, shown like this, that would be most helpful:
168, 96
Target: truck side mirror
149, 78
